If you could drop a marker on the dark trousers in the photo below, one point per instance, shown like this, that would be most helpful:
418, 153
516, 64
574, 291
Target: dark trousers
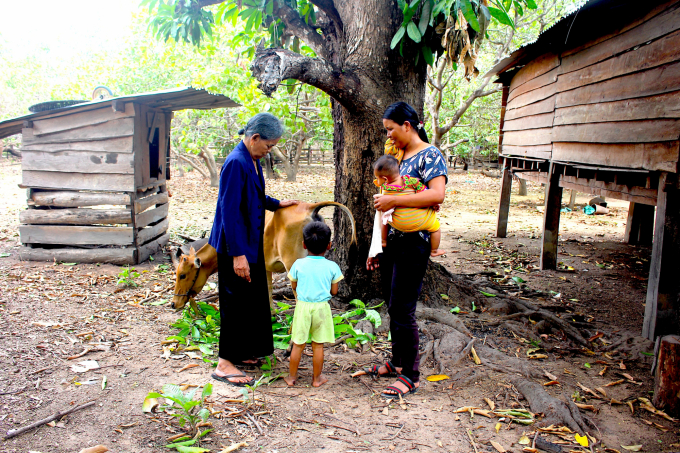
246, 326
403, 264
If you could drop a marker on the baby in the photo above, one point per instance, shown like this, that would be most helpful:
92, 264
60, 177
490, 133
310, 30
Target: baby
315, 279
405, 219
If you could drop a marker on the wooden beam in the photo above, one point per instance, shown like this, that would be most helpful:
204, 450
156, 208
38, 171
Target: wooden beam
100, 255
76, 216
67, 199
522, 189
75, 235
112, 182
504, 203
145, 251
142, 204
551, 218
640, 224
151, 216
78, 161
662, 308
151, 232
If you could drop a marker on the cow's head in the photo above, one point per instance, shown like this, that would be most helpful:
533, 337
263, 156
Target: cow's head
188, 282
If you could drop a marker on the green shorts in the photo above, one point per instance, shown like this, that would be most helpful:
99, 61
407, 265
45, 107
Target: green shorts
312, 320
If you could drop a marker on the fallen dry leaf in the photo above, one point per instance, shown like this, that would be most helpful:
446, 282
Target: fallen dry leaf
233, 447
475, 357
632, 447
437, 377
647, 405
587, 407
604, 370
622, 366
149, 405
186, 367
550, 376
620, 381
498, 447
490, 403
95, 449
551, 383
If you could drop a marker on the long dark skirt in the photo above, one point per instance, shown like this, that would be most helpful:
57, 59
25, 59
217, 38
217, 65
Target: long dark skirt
246, 329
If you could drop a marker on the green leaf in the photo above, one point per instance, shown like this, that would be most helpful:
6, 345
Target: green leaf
374, 317
444, 296
4, 255
455, 310
587, 365
207, 390
184, 443
518, 279
357, 303
531, 4
425, 19
488, 294
204, 414
413, 31
501, 16
73, 264
192, 450
173, 392
650, 354
397, 37
469, 14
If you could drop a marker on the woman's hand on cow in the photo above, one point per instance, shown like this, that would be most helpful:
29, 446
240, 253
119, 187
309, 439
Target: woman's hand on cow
286, 203
372, 263
384, 202
241, 267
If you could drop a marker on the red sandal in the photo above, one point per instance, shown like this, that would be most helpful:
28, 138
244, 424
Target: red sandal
391, 370
404, 380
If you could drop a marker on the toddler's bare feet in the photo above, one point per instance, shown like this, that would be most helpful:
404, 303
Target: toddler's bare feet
318, 382
437, 252
290, 380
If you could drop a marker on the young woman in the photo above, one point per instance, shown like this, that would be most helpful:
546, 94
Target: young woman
404, 259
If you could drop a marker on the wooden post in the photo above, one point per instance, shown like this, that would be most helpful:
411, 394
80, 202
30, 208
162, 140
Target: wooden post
572, 199
662, 307
504, 203
667, 376
551, 218
640, 224
522, 192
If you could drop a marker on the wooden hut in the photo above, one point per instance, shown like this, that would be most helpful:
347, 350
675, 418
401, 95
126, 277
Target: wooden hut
96, 176
594, 105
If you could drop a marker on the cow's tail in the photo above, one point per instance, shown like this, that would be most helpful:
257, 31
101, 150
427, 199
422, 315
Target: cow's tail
317, 207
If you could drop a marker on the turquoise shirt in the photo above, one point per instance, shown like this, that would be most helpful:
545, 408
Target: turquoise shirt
314, 276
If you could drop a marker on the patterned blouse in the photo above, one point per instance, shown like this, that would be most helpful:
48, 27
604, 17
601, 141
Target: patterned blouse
427, 164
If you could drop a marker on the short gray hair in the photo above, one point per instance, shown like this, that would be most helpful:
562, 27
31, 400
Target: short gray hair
267, 125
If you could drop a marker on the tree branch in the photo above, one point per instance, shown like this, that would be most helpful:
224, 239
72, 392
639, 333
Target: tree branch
271, 66
297, 25
478, 93
328, 7
454, 144
204, 3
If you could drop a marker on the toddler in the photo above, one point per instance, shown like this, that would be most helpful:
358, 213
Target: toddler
405, 219
315, 279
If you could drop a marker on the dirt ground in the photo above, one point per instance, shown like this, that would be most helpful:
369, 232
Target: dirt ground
52, 311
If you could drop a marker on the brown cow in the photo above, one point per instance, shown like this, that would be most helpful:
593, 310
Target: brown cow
282, 246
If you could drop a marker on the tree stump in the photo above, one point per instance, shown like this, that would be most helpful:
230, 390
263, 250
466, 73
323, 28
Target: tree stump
667, 376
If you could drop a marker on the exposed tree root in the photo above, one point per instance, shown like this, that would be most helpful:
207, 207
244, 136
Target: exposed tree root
555, 412
633, 346
443, 317
450, 347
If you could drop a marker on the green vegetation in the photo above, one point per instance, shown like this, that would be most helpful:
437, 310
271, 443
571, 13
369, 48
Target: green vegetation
188, 411
127, 276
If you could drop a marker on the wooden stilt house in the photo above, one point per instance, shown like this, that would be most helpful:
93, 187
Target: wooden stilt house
594, 105
96, 176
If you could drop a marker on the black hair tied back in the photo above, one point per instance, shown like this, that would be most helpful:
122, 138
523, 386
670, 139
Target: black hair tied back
401, 112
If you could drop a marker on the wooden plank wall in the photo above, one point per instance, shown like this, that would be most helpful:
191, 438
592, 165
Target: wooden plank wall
90, 150
614, 101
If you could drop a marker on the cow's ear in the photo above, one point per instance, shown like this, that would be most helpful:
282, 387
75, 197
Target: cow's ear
178, 252
192, 251
197, 262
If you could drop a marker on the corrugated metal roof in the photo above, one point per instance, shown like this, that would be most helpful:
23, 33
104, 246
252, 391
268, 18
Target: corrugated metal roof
593, 19
168, 100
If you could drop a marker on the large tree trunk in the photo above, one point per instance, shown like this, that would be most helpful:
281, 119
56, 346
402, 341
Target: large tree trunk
363, 75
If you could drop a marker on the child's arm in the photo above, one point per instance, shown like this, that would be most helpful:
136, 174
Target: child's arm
334, 289
383, 233
293, 284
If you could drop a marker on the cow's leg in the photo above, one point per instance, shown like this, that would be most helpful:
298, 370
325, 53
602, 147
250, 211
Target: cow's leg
270, 287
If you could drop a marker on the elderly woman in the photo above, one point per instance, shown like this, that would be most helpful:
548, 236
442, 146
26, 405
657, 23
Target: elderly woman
237, 235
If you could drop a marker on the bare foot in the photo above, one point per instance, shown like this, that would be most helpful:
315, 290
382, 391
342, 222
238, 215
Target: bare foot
321, 380
437, 252
382, 370
290, 380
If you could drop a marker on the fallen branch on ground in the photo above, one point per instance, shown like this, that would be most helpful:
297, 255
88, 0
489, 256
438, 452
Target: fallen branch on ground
15, 432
